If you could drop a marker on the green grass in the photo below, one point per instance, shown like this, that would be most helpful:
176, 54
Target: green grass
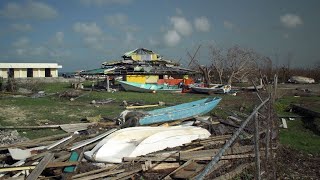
300, 138
301, 134
54, 110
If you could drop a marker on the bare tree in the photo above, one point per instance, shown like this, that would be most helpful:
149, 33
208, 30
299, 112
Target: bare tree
204, 69
240, 63
218, 61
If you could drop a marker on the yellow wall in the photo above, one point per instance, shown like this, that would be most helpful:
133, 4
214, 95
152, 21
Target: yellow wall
152, 79
136, 78
138, 57
142, 78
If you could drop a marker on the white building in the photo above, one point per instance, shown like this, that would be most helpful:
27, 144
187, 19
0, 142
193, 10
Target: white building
24, 70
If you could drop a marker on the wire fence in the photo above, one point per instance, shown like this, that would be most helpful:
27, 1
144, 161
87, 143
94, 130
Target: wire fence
249, 153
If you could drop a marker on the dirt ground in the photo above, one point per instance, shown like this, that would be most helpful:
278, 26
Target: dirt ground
293, 164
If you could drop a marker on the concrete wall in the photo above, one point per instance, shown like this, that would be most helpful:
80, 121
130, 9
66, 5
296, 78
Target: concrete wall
22, 72
3, 73
54, 72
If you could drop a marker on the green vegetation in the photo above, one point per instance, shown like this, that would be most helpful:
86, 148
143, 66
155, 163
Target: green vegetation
299, 137
52, 109
302, 134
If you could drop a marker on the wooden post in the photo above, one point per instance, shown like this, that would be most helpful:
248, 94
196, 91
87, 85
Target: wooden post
256, 146
275, 87
108, 83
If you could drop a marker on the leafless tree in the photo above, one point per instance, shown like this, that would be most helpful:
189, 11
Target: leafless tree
218, 61
241, 63
204, 69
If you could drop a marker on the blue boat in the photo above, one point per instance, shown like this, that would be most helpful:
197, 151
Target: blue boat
180, 112
139, 87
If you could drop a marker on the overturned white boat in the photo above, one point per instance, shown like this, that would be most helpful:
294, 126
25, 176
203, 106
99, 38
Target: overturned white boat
137, 141
301, 80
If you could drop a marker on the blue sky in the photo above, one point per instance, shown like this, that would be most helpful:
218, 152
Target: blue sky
81, 34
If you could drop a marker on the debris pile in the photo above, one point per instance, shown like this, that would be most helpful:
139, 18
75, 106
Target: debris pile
10, 137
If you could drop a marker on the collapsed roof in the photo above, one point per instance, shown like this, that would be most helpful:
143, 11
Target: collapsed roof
140, 61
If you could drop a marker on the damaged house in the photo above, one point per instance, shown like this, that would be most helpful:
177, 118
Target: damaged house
144, 66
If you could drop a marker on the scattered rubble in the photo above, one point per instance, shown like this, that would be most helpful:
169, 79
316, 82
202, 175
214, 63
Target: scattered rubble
10, 137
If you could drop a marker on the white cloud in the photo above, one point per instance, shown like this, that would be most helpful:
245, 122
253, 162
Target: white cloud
228, 25
30, 9
21, 42
59, 37
172, 38
89, 29
181, 25
21, 27
105, 2
202, 24
117, 19
291, 20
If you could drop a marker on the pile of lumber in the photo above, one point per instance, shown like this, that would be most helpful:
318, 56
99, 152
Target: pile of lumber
62, 157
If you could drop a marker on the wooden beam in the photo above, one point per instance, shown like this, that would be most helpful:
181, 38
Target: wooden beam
50, 165
93, 172
40, 167
100, 175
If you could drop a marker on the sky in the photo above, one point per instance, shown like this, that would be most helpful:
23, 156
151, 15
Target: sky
82, 34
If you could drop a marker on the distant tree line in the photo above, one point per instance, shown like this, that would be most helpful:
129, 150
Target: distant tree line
238, 64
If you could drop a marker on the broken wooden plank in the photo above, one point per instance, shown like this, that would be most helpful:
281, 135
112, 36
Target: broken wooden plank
59, 142
94, 171
100, 175
159, 167
188, 171
89, 141
150, 158
40, 167
235, 119
140, 107
70, 128
284, 123
31, 127
50, 165
35, 142
127, 174
208, 154
182, 166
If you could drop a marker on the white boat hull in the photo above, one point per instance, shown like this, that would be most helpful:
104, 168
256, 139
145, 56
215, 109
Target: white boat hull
137, 141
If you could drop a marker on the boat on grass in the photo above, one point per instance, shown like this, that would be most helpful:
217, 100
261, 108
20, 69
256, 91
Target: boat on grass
140, 87
216, 89
137, 141
179, 112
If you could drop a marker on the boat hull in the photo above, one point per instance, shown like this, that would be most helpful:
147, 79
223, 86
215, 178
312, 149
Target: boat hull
139, 87
137, 141
180, 112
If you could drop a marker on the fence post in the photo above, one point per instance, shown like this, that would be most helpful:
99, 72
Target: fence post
256, 146
275, 81
108, 86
